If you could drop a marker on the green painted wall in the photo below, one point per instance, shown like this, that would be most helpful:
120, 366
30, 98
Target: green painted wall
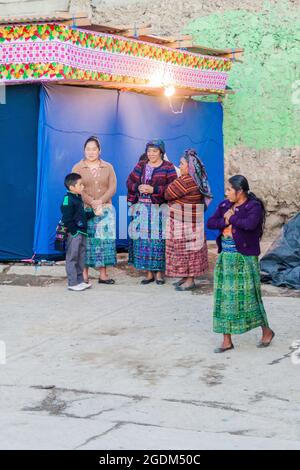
262, 115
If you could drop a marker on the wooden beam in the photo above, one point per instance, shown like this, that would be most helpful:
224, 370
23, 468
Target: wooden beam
165, 41
80, 19
79, 22
130, 31
179, 44
60, 16
67, 15
236, 54
101, 28
168, 39
125, 31
180, 92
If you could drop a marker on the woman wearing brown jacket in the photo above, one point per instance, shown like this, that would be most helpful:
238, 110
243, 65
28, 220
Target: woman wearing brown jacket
100, 183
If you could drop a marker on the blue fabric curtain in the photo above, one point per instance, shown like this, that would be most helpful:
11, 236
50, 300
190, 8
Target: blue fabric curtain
18, 161
124, 122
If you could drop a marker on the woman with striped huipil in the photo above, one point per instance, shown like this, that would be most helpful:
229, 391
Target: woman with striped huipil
146, 186
186, 248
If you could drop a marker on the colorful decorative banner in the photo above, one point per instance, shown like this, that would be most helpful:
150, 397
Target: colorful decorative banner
52, 52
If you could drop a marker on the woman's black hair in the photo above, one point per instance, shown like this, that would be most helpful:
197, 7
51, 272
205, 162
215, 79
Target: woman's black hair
240, 183
92, 139
155, 147
143, 157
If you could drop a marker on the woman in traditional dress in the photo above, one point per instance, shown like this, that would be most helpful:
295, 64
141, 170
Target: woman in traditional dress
146, 186
238, 305
186, 248
100, 184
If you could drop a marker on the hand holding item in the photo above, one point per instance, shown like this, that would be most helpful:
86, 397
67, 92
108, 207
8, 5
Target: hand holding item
227, 215
96, 203
145, 189
141, 188
149, 189
99, 210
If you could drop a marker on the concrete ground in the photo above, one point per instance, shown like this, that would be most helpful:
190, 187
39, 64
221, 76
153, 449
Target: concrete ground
132, 367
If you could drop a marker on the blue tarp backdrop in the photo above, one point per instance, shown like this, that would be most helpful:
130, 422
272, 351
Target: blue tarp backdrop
124, 122
18, 160
43, 129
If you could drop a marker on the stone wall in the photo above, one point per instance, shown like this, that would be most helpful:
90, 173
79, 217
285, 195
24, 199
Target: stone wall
261, 121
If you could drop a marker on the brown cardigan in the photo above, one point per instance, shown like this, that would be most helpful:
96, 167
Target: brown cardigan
103, 187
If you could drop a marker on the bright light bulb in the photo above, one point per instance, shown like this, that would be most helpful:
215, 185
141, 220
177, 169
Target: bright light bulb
169, 90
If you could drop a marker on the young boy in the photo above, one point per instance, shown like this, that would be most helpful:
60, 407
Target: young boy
75, 219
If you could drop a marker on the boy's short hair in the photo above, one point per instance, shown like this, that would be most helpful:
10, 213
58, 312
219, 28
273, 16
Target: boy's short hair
71, 179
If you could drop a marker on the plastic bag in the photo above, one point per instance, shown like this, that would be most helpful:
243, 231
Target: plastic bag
281, 264
61, 236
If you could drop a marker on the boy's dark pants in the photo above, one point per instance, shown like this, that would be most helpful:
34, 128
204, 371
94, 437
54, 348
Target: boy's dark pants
75, 259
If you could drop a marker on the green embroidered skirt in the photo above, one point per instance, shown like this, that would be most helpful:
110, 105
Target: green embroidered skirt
101, 240
238, 305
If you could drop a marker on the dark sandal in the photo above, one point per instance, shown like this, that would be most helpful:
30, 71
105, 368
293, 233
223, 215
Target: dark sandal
107, 281
263, 344
182, 289
222, 350
147, 281
178, 283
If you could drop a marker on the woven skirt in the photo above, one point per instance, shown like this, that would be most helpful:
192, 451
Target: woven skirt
147, 240
238, 305
101, 240
186, 250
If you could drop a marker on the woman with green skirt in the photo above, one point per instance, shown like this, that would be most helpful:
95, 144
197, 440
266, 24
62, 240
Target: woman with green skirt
100, 183
238, 305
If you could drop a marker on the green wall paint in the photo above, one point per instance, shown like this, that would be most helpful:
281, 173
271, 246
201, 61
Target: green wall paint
261, 115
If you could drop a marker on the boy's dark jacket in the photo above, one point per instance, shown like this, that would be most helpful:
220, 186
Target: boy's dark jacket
74, 217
